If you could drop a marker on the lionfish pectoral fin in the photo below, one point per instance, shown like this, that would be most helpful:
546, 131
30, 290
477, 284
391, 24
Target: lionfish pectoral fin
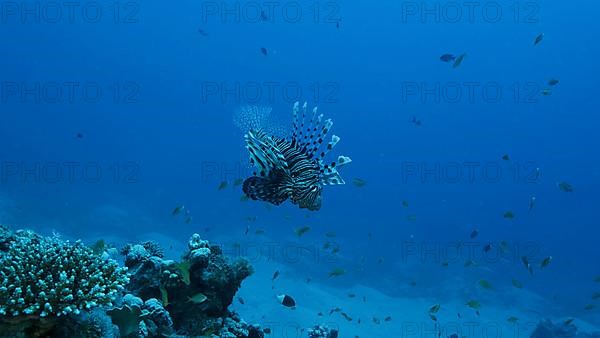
331, 176
264, 189
263, 153
343, 160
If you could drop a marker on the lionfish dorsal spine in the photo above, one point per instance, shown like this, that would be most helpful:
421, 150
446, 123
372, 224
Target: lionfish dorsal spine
300, 127
334, 140
313, 141
310, 129
296, 123
312, 122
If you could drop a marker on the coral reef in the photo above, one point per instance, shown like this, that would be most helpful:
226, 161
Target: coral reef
95, 323
6, 238
319, 331
47, 276
146, 270
231, 327
43, 278
136, 318
196, 291
54, 288
547, 329
151, 247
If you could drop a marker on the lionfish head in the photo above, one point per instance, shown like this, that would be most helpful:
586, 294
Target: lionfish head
313, 204
307, 194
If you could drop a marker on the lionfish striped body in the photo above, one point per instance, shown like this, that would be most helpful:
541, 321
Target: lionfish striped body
293, 168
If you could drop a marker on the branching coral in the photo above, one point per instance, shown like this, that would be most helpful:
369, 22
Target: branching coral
55, 288
45, 276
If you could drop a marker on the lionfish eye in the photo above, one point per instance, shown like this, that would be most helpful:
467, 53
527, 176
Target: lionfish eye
314, 189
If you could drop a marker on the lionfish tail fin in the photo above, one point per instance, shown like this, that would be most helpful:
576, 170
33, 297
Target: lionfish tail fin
263, 189
331, 176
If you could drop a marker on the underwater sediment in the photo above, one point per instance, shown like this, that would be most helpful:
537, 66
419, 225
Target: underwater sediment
56, 288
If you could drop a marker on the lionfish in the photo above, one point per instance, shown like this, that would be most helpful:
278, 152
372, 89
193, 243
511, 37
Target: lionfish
293, 167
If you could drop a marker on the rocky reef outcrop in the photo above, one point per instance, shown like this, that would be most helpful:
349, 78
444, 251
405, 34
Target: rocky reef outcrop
196, 291
319, 331
55, 288
548, 329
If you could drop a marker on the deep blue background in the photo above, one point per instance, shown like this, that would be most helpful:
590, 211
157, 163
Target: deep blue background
171, 133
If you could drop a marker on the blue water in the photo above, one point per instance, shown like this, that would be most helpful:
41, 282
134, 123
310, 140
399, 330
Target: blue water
160, 134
